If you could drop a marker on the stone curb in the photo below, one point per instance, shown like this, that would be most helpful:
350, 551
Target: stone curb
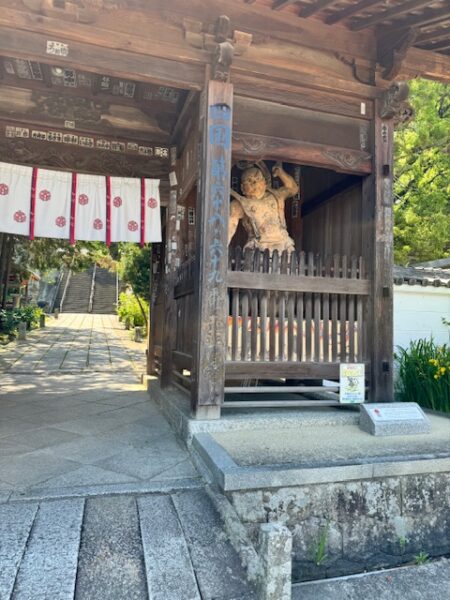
156, 487
231, 477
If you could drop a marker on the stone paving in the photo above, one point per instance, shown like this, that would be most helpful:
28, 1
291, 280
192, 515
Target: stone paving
98, 500
74, 414
153, 547
75, 343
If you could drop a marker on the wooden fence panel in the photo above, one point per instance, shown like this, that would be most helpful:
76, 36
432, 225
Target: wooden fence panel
295, 308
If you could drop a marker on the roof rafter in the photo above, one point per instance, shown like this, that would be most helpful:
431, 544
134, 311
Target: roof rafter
430, 36
279, 4
444, 45
426, 18
350, 11
314, 8
395, 11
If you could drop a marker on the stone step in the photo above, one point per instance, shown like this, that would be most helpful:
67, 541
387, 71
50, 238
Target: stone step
49, 564
170, 574
160, 546
16, 521
111, 562
217, 566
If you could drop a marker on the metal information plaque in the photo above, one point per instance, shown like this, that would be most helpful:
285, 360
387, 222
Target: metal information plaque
352, 383
397, 418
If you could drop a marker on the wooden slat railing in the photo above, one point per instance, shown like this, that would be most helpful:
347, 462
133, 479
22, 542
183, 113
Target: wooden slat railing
295, 307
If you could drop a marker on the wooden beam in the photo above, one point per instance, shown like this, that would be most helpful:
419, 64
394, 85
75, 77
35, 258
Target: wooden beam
436, 34
315, 7
388, 14
279, 4
270, 370
249, 146
349, 11
301, 97
426, 18
31, 123
78, 92
279, 403
128, 124
287, 283
212, 234
183, 118
423, 63
157, 29
92, 58
444, 45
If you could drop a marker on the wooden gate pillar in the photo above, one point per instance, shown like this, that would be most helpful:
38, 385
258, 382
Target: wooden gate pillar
208, 377
170, 308
389, 109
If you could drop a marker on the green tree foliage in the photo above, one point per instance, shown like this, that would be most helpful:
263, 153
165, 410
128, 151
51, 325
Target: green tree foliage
422, 177
44, 254
134, 268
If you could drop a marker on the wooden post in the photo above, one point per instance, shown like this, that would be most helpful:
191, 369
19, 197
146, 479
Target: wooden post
170, 313
10, 242
377, 193
211, 249
151, 370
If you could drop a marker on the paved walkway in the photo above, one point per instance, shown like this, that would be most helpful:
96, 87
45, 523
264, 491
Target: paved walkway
75, 343
73, 413
98, 500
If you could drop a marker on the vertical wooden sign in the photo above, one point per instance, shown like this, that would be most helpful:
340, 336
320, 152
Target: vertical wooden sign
379, 338
212, 249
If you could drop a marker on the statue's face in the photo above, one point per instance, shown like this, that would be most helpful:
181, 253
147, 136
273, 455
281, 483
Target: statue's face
253, 184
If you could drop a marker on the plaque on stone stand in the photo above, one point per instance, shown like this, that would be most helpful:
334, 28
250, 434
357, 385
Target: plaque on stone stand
394, 418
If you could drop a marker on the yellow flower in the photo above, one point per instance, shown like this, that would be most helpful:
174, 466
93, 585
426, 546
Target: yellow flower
442, 370
436, 376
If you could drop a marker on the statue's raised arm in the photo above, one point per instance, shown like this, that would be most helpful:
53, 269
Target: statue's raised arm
290, 186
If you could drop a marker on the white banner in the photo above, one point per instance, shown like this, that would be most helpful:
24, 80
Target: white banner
90, 208
57, 204
125, 209
152, 213
15, 194
52, 204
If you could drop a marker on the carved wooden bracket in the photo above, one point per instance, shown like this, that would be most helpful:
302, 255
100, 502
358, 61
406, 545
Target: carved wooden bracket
79, 11
395, 103
361, 72
391, 50
219, 40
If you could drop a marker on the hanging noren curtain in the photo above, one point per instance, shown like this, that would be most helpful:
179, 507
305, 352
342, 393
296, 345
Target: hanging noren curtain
55, 204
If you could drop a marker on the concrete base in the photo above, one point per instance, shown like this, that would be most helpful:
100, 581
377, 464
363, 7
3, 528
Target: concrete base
176, 408
207, 413
353, 502
348, 512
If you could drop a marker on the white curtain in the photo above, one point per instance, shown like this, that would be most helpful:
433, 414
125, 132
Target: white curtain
78, 206
90, 208
15, 194
52, 204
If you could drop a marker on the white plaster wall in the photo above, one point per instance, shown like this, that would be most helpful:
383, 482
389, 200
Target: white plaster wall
418, 313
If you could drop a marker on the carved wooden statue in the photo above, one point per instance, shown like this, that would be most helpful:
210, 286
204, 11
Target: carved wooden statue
261, 209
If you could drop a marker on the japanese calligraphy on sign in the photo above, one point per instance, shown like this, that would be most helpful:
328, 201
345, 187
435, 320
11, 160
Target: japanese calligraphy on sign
217, 191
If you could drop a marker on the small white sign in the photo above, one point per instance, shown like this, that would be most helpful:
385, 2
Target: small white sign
395, 413
351, 377
57, 48
173, 179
